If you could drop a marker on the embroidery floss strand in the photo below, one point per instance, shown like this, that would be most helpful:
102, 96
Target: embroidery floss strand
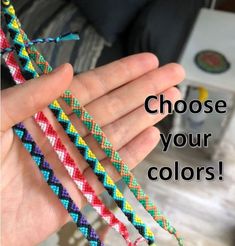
65, 37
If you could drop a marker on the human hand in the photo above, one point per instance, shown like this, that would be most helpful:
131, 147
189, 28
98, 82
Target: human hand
114, 95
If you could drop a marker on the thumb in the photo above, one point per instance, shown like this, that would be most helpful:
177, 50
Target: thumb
22, 101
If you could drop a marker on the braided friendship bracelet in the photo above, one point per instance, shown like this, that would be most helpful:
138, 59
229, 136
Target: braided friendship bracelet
79, 180
64, 37
119, 164
90, 157
110, 152
47, 172
100, 172
55, 185
13, 28
63, 154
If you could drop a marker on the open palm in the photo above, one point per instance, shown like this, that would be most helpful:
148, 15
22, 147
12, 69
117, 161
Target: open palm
114, 96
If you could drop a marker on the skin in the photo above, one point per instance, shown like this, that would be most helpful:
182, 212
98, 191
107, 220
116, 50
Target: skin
30, 211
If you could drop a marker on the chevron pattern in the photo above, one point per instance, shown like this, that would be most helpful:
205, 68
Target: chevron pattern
63, 155
106, 145
14, 28
93, 162
118, 163
56, 109
55, 185
100, 172
78, 178
37, 57
10, 60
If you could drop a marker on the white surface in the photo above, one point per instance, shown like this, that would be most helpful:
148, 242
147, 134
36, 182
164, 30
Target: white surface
214, 30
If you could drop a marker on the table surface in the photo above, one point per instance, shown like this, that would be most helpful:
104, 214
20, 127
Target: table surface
214, 30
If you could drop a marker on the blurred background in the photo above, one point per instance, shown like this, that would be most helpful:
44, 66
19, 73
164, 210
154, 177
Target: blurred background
176, 31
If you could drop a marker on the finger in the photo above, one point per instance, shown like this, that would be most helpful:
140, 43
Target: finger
22, 101
114, 105
127, 98
95, 83
126, 128
132, 154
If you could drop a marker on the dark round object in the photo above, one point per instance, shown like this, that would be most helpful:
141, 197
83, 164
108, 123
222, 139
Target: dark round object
212, 61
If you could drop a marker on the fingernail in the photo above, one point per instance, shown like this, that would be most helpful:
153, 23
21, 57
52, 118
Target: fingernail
61, 67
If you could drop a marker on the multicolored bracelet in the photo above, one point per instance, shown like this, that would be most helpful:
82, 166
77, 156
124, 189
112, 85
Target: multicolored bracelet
119, 164
110, 152
13, 27
56, 186
92, 160
62, 152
